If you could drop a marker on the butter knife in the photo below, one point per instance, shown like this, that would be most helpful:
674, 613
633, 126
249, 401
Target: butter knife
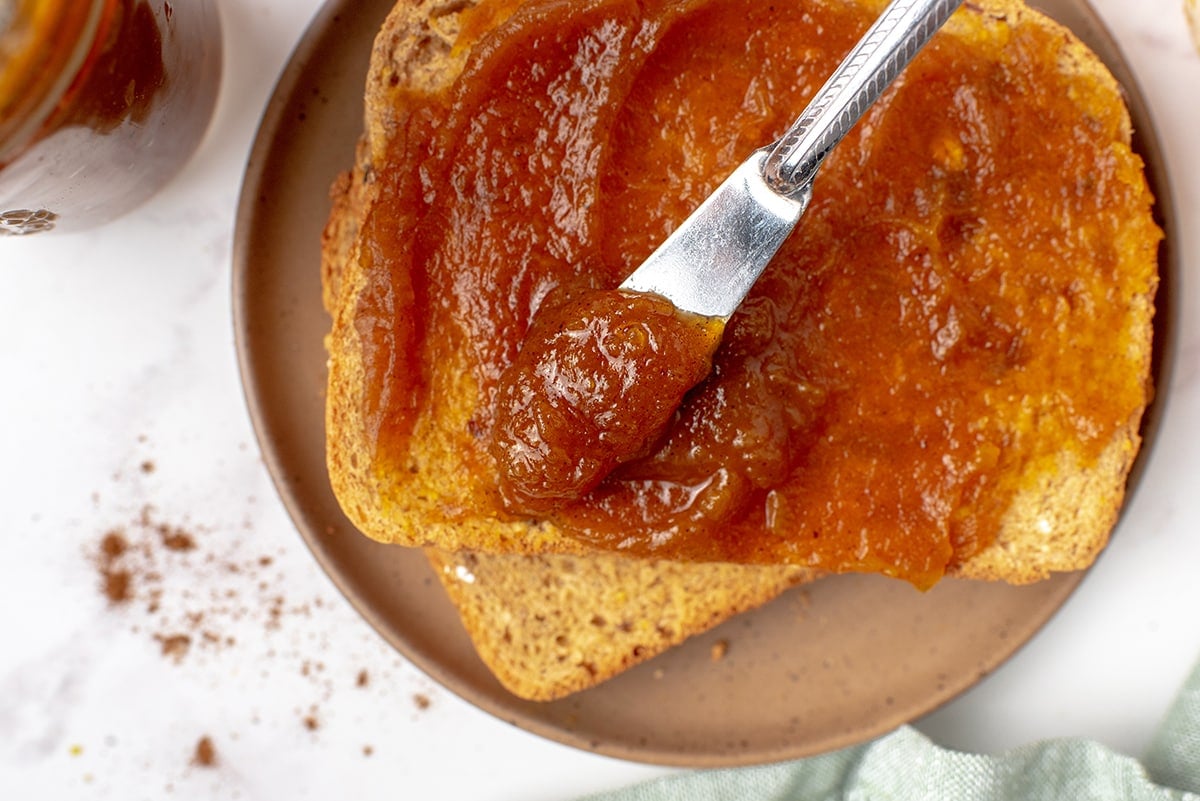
710, 262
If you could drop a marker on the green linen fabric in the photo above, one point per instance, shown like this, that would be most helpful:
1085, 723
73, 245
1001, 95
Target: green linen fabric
907, 766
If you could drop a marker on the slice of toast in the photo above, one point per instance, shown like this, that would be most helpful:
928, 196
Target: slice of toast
1063, 504
550, 625
554, 622
546, 626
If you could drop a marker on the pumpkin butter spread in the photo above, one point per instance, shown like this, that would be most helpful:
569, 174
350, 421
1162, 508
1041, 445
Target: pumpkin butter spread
950, 353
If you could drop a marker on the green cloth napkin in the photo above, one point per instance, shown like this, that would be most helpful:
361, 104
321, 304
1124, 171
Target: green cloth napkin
906, 765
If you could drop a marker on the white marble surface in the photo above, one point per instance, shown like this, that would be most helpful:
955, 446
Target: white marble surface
122, 410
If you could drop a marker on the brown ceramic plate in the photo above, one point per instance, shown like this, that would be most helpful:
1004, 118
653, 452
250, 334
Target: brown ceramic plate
822, 667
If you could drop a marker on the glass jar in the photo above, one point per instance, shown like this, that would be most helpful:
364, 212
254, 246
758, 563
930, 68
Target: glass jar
101, 103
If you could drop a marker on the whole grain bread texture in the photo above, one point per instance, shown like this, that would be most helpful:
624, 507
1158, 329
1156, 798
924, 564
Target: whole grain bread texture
548, 626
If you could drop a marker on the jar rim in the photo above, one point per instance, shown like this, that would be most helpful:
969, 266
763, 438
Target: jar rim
43, 45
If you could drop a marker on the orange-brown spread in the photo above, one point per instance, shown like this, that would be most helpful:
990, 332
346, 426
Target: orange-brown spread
872, 404
595, 385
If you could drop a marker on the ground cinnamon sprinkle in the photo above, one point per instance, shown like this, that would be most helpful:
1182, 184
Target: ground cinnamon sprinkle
205, 755
175, 539
116, 586
114, 579
175, 573
189, 588
311, 719
174, 646
113, 545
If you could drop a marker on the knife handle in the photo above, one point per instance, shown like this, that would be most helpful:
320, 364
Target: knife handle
881, 55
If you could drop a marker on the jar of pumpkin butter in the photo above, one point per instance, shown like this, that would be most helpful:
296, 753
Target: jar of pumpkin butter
101, 103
